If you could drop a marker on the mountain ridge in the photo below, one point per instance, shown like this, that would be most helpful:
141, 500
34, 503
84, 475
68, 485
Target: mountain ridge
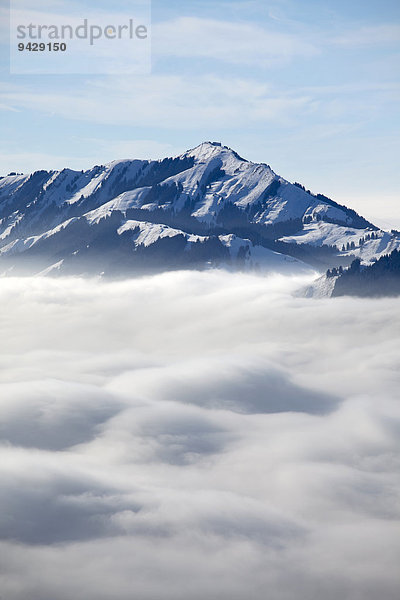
212, 206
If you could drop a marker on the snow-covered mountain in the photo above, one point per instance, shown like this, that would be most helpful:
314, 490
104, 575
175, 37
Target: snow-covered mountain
208, 206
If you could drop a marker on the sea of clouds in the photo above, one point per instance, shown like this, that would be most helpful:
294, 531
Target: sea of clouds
192, 436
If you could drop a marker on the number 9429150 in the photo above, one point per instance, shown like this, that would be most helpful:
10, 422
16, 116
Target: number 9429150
41, 47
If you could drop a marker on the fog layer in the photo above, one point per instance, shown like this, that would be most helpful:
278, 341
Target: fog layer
197, 435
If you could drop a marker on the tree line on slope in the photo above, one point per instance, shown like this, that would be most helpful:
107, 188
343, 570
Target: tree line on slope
382, 278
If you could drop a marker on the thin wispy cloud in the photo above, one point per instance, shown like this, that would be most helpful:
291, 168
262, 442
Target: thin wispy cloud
378, 35
230, 42
164, 101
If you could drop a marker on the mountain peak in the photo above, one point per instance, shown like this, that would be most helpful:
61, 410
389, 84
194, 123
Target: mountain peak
189, 207
208, 144
207, 150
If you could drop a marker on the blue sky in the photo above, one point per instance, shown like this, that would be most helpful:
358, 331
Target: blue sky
310, 87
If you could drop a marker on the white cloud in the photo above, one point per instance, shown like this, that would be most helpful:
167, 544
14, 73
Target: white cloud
369, 36
164, 101
230, 42
197, 435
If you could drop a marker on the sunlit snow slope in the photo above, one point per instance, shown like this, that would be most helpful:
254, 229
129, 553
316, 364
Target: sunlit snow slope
207, 207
